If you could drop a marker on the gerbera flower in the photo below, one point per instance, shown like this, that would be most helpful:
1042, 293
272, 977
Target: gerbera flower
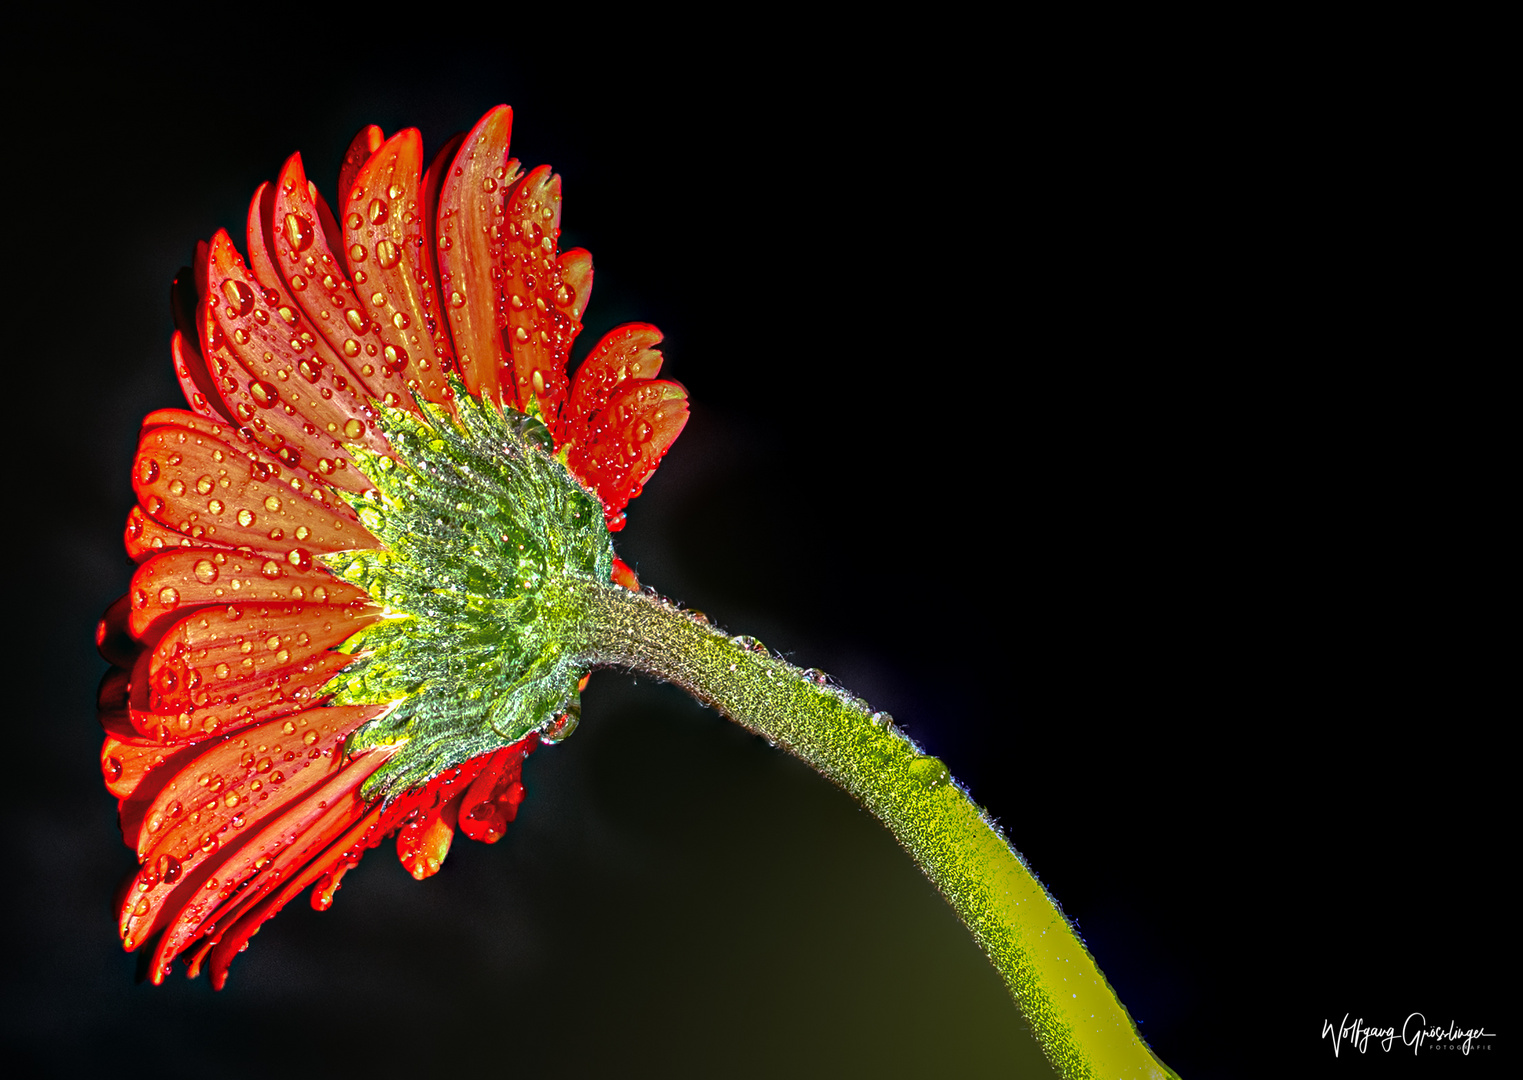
334, 633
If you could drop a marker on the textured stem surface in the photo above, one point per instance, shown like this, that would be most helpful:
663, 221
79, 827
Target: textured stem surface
1081, 1026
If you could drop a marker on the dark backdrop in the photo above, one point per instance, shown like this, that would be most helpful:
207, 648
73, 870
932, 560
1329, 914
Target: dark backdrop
1039, 395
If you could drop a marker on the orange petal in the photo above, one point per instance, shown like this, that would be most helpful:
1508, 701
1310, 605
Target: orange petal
576, 278
365, 143
334, 830
624, 575
211, 490
273, 369
424, 841
628, 438
191, 828
541, 321
113, 636
385, 243
218, 668
168, 586
212, 895
319, 279
471, 251
144, 538
492, 800
625, 353
127, 759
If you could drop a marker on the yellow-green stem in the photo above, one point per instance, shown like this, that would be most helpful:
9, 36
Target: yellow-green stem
1081, 1026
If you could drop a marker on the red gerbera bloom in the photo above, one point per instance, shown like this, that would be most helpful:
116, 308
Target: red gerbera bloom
238, 776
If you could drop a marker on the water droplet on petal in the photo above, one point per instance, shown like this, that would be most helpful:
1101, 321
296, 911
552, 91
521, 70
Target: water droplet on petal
387, 254
206, 571
239, 296
298, 232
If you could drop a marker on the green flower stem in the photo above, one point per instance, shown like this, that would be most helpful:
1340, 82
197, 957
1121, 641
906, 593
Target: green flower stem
1081, 1026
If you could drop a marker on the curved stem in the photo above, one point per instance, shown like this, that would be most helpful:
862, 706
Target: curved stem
1081, 1026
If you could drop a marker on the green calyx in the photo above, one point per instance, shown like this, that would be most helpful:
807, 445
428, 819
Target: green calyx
487, 540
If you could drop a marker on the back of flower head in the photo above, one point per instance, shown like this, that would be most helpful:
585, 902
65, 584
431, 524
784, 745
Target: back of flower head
343, 622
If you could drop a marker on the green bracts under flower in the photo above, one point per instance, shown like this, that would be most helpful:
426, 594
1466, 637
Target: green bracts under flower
483, 531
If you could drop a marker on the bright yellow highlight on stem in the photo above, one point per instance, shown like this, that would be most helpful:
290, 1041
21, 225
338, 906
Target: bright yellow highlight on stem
1081, 1026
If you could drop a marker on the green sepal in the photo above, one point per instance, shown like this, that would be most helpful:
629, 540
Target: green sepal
483, 534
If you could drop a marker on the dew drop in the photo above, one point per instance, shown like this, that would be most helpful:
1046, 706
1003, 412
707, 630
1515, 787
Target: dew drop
357, 253
929, 772
147, 471
245, 518
206, 571
300, 558
400, 320
387, 254
270, 569
239, 296
379, 211
353, 428
215, 506
298, 232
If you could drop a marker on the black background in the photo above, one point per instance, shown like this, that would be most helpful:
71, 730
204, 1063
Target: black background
1046, 393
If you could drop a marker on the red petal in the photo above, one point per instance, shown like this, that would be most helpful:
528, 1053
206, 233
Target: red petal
224, 667
424, 841
492, 800
213, 896
127, 759
273, 369
365, 143
629, 436
113, 636
313, 853
319, 279
209, 489
471, 250
385, 242
625, 353
624, 575
196, 381
193, 836
576, 277
541, 321
167, 586
143, 537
